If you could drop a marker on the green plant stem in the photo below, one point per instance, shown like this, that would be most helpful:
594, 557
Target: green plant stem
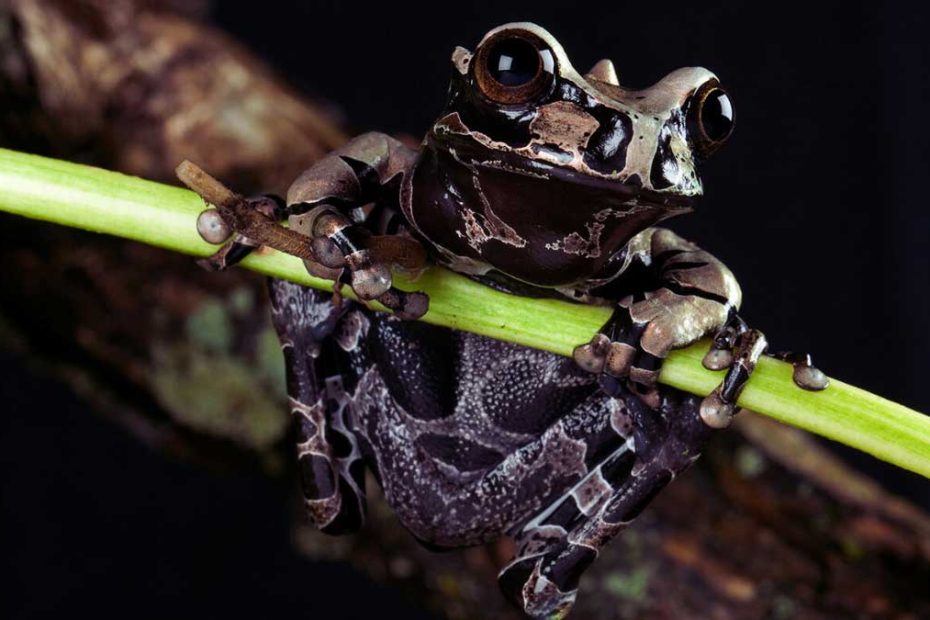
164, 216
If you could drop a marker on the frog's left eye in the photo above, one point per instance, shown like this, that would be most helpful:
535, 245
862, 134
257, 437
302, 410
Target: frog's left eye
711, 117
514, 67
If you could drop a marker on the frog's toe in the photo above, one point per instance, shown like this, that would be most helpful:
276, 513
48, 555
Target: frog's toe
524, 584
805, 375
369, 280
719, 406
715, 412
618, 351
592, 355
619, 360
718, 359
614, 349
212, 228
405, 305
810, 378
720, 355
617, 355
366, 261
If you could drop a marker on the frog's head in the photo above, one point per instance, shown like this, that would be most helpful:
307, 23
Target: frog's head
543, 173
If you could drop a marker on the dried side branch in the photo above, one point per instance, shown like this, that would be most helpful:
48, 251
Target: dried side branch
240, 216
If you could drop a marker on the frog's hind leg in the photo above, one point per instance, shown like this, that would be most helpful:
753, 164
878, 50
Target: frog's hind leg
555, 548
543, 576
331, 468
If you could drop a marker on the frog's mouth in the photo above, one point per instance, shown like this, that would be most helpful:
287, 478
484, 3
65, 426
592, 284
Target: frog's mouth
676, 203
623, 190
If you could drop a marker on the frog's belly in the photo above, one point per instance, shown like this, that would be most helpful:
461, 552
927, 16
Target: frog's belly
506, 432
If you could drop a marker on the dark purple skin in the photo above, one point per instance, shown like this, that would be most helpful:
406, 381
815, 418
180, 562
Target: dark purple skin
493, 439
549, 187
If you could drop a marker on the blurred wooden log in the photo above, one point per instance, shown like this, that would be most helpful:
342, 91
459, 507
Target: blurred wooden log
135, 86
132, 85
774, 527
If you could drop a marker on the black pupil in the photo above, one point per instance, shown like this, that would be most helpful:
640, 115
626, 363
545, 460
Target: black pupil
717, 115
513, 62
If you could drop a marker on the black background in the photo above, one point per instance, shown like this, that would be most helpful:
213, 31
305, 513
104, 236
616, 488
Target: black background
818, 204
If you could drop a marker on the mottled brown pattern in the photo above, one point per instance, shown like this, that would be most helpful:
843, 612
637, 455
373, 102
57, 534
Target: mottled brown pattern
514, 441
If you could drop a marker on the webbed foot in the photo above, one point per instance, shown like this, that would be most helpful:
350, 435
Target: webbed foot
336, 247
640, 334
618, 353
736, 348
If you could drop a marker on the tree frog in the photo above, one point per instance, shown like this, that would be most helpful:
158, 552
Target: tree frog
537, 180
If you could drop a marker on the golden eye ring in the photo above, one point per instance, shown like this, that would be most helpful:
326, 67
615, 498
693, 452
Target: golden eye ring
514, 67
711, 117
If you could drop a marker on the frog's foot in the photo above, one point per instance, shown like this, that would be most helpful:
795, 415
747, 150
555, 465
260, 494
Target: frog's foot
618, 351
214, 229
736, 348
366, 259
545, 580
543, 577
339, 243
557, 546
329, 459
805, 375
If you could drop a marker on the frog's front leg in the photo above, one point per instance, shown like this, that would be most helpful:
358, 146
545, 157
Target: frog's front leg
331, 467
688, 295
346, 204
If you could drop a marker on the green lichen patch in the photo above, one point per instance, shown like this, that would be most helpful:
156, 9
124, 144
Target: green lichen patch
631, 586
210, 327
219, 395
750, 463
241, 301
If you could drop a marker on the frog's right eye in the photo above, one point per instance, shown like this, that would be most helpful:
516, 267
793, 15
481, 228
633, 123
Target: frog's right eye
514, 67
